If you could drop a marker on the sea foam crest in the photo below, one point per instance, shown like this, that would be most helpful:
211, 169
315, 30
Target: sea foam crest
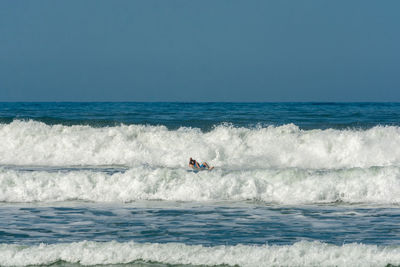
299, 254
284, 186
35, 143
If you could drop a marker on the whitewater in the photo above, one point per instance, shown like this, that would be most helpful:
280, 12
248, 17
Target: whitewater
229, 147
300, 254
125, 163
294, 184
287, 186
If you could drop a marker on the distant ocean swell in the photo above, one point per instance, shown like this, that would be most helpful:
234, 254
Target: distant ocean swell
234, 148
299, 254
283, 186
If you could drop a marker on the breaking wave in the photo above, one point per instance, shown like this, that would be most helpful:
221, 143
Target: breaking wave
35, 143
284, 186
285, 164
299, 254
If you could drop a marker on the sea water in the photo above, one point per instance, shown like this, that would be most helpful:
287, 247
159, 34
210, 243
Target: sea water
294, 184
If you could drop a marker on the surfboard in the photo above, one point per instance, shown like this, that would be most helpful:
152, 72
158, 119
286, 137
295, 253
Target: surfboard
200, 169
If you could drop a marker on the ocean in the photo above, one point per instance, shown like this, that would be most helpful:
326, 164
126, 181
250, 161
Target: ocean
294, 184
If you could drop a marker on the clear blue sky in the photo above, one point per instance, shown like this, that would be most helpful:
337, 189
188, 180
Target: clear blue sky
186, 50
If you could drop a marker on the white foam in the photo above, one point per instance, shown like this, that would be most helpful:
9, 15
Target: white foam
35, 143
300, 254
284, 186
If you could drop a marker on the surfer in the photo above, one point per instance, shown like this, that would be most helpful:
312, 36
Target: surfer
195, 165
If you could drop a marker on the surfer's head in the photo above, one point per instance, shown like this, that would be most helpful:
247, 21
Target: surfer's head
192, 161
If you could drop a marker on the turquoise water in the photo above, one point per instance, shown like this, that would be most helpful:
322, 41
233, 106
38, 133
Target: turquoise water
294, 184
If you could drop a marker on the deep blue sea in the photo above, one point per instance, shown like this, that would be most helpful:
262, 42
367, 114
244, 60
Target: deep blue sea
294, 184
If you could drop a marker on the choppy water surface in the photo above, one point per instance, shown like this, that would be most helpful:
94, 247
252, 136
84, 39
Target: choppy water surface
108, 183
206, 224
